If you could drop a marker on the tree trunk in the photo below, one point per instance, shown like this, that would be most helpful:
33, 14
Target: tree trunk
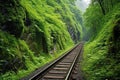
100, 3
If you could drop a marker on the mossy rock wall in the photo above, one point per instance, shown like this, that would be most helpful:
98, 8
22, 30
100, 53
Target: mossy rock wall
31, 27
102, 53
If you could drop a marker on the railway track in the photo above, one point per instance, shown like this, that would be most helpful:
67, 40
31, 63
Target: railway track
64, 68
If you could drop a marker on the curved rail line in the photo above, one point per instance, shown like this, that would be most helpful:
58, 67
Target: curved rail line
61, 69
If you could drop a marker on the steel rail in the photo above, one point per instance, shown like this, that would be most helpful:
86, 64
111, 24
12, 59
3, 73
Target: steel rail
72, 66
41, 73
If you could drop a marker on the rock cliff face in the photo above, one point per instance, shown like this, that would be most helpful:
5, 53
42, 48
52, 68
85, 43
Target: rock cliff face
31, 27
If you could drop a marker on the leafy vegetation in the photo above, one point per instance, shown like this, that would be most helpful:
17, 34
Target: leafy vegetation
33, 32
101, 52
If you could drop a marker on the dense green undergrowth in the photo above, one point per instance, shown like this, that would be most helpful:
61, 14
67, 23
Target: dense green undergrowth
101, 59
34, 32
29, 65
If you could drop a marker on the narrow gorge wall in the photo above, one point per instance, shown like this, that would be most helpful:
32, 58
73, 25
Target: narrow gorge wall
102, 51
31, 27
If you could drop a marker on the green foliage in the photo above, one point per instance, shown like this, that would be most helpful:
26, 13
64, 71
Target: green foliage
92, 18
13, 53
101, 54
48, 22
12, 15
31, 28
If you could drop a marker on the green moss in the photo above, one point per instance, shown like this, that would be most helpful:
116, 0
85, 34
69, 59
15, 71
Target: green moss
13, 53
33, 32
98, 55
